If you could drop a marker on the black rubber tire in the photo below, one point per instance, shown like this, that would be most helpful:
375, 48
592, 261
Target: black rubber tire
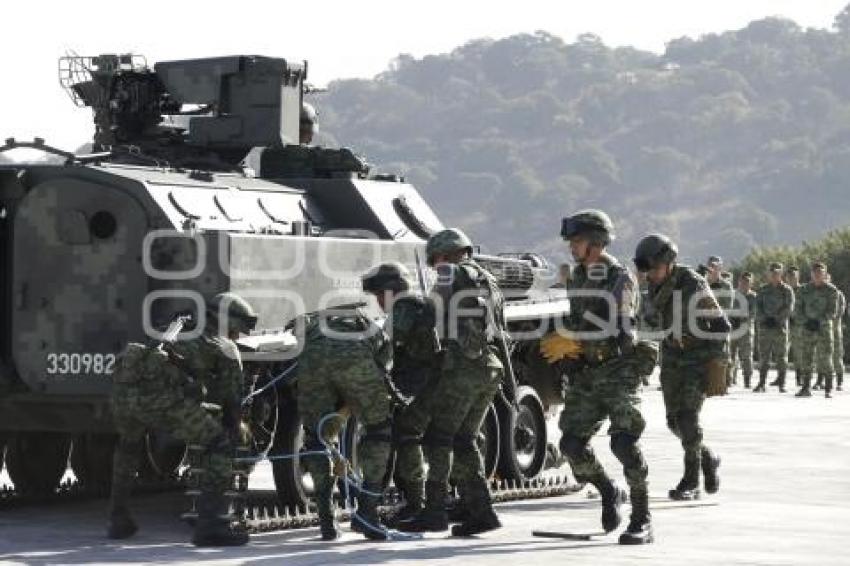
294, 486
91, 461
161, 456
523, 437
490, 443
36, 461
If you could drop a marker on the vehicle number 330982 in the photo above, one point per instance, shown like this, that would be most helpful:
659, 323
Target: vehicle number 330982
79, 363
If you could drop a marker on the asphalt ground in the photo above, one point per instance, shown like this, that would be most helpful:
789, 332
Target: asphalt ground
783, 500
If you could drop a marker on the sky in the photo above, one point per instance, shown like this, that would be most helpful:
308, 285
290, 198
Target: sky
339, 38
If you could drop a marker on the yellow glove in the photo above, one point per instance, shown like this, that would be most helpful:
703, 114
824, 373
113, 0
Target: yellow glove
555, 347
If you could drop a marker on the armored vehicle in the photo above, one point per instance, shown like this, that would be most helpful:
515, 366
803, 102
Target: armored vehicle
197, 183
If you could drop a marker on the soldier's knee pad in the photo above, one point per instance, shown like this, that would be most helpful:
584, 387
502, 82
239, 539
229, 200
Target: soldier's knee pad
573, 446
465, 442
624, 447
379, 432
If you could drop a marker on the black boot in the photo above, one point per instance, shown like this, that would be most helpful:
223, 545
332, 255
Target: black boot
805, 390
639, 530
121, 524
328, 525
759, 388
481, 517
366, 520
433, 517
458, 507
414, 500
612, 498
215, 523
710, 464
827, 386
688, 487
780, 382
747, 381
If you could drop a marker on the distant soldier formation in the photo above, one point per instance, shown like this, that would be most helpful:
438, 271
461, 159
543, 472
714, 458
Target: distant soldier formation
420, 376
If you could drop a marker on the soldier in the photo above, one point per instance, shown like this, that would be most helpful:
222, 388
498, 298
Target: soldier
344, 364
161, 389
415, 368
696, 331
774, 306
604, 382
792, 278
308, 124
838, 339
817, 310
743, 326
722, 288
471, 316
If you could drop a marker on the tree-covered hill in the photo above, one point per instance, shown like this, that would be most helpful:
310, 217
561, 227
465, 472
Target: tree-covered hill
726, 142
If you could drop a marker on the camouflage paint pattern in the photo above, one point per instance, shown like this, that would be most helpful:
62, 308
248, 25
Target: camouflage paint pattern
817, 310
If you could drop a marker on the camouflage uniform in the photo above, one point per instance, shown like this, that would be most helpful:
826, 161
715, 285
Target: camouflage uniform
774, 306
838, 340
795, 339
684, 367
151, 397
342, 365
415, 368
725, 296
450, 413
816, 311
604, 384
741, 345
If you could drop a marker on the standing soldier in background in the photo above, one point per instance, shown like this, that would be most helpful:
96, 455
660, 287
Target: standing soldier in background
171, 388
344, 364
774, 307
838, 338
450, 417
792, 278
692, 354
605, 379
816, 310
724, 293
743, 323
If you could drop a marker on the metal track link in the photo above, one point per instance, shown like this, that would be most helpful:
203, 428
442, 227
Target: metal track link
263, 513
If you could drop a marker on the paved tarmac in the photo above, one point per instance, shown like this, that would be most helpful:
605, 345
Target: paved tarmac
784, 500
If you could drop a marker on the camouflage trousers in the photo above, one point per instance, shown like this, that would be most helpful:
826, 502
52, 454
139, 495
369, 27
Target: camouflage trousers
609, 392
444, 421
741, 350
334, 375
773, 345
151, 407
838, 351
683, 381
816, 350
795, 341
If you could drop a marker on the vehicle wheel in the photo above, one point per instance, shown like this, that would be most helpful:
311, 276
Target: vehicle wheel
36, 461
162, 457
489, 440
91, 460
294, 485
523, 445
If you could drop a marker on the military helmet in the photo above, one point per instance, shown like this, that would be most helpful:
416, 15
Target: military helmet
590, 222
241, 317
447, 241
653, 250
391, 276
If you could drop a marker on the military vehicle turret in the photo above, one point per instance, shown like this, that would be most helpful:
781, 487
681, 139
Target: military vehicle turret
197, 184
